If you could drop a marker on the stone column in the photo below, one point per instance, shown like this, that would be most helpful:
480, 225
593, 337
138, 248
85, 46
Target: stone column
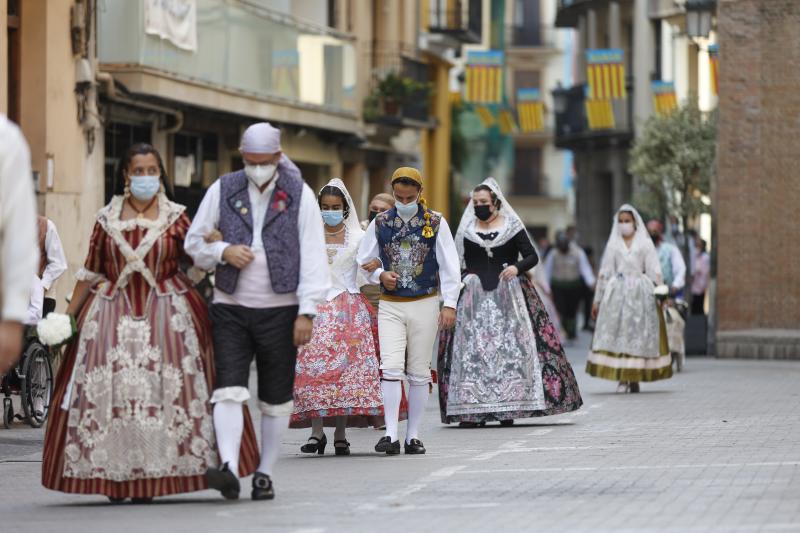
643, 56
581, 45
614, 24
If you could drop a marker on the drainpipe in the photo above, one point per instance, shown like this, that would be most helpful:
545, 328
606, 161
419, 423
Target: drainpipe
106, 80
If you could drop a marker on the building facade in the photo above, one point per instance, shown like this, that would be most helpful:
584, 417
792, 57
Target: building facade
652, 37
86, 79
756, 192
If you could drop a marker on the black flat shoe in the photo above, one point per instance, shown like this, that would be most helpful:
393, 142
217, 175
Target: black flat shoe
507, 423
471, 424
315, 447
414, 447
344, 449
634, 386
141, 501
116, 501
225, 481
385, 445
262, 487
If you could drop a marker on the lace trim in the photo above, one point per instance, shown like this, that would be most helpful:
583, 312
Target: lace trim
230, 394
84, 274
276, 410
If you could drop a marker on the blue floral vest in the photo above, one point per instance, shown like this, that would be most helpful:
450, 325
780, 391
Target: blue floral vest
405, 249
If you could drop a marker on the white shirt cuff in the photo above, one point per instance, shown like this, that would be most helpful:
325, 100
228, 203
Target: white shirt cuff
219, 249
307, 309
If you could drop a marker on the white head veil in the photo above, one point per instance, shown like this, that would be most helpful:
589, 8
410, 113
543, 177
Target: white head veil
641, 237
354, 231
466, 228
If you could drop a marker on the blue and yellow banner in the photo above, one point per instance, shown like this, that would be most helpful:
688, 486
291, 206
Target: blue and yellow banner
484, 74
600, 114
713, 58
530, 110
664, 98
486, 116
506, 122
605, 72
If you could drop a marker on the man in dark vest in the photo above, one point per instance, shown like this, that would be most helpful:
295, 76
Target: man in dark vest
271, 273
420, 272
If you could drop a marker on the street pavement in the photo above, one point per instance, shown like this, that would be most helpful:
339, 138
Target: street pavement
715, 449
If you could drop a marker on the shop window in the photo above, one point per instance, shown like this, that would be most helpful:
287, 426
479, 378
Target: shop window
527, 179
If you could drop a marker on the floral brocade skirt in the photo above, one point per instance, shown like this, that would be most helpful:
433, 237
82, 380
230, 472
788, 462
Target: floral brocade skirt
630, 338
130, 413
337, 372
504, 358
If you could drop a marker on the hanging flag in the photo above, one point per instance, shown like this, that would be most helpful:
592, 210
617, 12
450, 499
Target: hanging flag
484, 74
486, 116
605, 71
713, 59
507, 123
600, 114
530, 110
664, 98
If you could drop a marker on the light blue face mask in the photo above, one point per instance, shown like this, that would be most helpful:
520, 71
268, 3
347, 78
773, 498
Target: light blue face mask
332, 218
406, 210
143, 188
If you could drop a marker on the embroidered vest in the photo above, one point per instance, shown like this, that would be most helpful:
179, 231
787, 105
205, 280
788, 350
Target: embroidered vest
566, 266
279, 232
404, 250
42, 223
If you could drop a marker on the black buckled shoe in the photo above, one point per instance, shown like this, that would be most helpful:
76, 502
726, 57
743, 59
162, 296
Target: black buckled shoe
385, 445
225, 481
414, 447
342, 447
262, 487
315, 447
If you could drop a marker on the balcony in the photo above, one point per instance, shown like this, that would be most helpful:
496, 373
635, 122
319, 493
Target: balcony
400, 91
568, 11
572, 124
249, 60
530, 37
459, 19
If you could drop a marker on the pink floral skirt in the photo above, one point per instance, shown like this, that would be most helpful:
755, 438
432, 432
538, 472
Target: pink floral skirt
337, 373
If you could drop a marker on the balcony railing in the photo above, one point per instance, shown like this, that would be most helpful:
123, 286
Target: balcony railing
530, 37
241, 48
572, 123
461, 19
394, 104
568, 10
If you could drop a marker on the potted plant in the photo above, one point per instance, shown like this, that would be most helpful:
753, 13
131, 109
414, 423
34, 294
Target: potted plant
392, 91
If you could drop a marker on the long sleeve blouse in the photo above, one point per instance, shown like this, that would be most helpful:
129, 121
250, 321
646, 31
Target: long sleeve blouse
488, 268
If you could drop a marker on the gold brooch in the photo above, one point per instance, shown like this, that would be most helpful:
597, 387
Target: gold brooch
427, 231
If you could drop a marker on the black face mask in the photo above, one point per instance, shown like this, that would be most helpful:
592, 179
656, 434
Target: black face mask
373, 214
483, 212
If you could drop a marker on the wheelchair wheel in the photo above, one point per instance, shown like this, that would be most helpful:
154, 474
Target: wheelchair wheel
37, 384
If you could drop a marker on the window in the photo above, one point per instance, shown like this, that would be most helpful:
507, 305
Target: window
194, 167
527, 179
526, 79
526, 30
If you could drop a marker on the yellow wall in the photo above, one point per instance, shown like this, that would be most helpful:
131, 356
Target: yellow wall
436, 142
49, 121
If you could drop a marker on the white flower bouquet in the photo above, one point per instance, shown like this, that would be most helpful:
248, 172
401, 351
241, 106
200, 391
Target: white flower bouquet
56, 329
661, 292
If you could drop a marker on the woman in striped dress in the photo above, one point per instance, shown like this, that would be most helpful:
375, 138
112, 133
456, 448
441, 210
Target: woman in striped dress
131, 416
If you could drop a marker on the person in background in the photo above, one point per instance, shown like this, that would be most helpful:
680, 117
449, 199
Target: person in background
673, 267
543, 245
569, 272
18, 255
701, 275
380, 203
52, 262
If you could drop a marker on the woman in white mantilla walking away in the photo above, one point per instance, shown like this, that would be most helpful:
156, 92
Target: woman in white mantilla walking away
337, 382
630, 338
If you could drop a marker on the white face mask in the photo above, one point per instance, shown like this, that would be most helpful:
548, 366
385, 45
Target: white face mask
625, 229
260, 174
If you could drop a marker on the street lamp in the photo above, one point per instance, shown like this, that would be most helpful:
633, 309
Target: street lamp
560, 99
698, 17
